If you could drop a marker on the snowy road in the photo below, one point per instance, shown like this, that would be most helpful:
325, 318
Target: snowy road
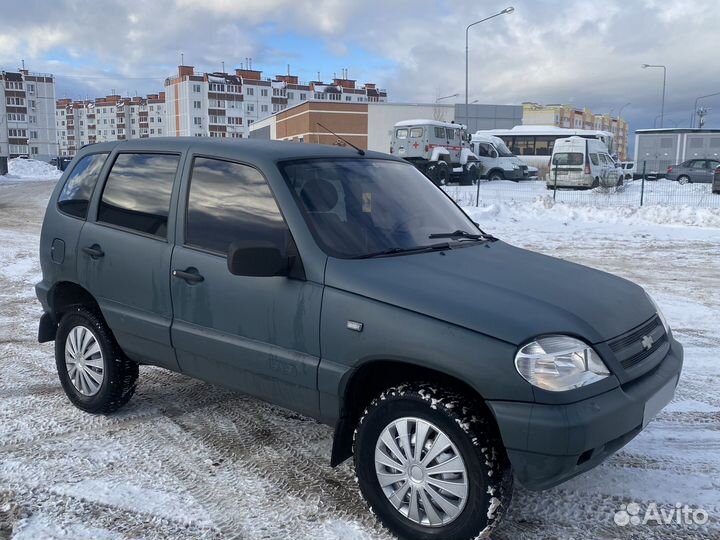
187, 460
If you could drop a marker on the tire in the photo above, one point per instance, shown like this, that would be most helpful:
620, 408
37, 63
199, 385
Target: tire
684, 179
483, 464
471, 175
441, 173
494, 176
110, 377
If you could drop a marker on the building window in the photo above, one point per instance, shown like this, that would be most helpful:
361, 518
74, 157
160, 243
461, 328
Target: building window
291, 95
159, 131
263, 108
303, 97
31, 88
34, 150
250, 91
197, 121
263, 92
196, 87
196, 104
250, 107
33, 134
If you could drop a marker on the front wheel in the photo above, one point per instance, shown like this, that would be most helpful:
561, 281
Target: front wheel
429, 466
95, 374
495, 176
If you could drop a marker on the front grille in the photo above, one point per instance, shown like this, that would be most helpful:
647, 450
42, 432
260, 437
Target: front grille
630, 349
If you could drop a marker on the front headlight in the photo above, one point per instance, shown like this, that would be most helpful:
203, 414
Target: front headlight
660, 315
559, 363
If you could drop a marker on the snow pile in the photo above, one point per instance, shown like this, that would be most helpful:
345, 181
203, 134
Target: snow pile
545, 209
32, 168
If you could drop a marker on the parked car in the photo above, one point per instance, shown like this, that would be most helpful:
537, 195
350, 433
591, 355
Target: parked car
582, 163
716, 181
693, 171
439, 150
339, 284
627, 169
498, 162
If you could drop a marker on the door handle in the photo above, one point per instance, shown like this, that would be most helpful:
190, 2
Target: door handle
94, 251
190, 276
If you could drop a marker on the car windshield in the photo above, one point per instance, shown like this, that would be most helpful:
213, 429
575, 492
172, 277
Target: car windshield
503, 150
359, 207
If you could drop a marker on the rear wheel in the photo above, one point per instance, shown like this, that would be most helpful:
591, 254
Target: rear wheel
471, 174
429, 465
95, 374
441, 173
683, 180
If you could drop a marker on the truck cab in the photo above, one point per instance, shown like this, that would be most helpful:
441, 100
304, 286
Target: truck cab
498, 162
439, 150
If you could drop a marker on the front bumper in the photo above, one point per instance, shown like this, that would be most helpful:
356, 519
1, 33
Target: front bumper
516, 174
549, 444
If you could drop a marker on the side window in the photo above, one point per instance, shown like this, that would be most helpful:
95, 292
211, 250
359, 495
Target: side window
483, 150
230, 202
416, 133
450, 134
439, 133
137, 192
594, 158
698, 164
75, 196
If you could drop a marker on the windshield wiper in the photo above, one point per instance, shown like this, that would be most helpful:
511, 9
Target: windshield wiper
401, 251
464, 234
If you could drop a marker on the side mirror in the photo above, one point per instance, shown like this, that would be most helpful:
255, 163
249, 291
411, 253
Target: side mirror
257, 259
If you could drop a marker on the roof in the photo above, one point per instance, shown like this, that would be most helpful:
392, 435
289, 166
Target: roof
252, 150
678, 130
426, 122
541, 130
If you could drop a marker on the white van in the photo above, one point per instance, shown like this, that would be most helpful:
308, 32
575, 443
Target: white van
582, 163
498, 162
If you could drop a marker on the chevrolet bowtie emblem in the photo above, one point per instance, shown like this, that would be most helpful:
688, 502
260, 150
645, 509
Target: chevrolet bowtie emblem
647, 342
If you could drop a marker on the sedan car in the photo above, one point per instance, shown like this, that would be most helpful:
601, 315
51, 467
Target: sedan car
693, 170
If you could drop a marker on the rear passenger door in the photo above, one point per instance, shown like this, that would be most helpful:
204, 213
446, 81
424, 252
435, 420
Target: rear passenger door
124, 254
260, 335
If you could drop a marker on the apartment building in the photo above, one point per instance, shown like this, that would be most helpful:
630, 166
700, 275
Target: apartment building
567, 116
27, 124
226, 105
109, 118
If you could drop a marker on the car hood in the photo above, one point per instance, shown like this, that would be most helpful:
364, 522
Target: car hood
499, 290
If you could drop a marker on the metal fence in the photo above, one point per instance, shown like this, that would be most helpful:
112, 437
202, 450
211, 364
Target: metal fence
639, 192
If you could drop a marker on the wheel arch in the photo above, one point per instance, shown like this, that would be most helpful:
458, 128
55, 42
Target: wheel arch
366, 381
61, 297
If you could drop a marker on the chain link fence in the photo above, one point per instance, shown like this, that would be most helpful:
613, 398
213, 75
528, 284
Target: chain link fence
634, 193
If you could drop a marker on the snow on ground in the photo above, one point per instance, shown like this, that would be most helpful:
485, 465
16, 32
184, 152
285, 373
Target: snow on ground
187, 460
31, 169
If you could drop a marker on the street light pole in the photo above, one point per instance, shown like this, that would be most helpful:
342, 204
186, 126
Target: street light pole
662, 107
505, 11
694, 112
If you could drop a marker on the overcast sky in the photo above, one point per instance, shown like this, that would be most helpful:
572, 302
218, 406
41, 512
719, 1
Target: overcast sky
585, 53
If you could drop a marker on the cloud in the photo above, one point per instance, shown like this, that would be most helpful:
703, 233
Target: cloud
587, 53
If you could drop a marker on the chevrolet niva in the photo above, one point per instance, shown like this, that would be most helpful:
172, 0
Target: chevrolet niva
346, 286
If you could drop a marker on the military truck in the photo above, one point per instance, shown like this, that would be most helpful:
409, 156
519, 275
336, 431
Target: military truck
440, 150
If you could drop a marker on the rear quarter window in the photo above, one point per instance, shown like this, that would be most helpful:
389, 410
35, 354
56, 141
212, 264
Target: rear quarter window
594, 158
74, 199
